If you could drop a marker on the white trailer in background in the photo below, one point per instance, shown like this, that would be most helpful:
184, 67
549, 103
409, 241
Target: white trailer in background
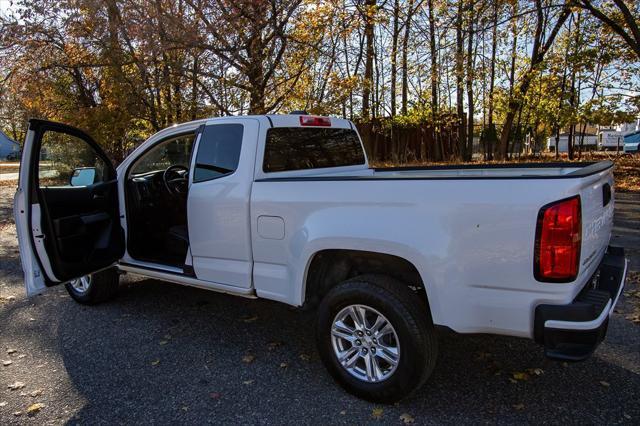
589, 142
610, 140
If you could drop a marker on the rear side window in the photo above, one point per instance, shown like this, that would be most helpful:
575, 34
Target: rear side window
218, 151
299, 148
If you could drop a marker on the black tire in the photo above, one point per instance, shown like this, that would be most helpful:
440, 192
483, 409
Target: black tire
411, 320
103, 287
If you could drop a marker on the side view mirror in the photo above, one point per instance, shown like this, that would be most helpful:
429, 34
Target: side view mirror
83, 176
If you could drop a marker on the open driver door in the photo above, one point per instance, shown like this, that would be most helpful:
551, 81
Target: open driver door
66, 207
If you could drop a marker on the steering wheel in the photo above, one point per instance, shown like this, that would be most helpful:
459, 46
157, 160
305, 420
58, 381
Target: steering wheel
176, 182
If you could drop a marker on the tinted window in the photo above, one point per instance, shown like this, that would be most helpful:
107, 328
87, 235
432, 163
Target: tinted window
218, 151
299, 148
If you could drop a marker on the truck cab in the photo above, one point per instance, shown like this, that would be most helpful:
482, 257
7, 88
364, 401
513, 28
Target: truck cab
178, 204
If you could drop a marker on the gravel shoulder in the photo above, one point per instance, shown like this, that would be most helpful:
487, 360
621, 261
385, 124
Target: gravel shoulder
161, 353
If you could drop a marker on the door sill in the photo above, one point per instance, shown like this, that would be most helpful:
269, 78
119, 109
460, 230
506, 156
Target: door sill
153, 266
177, 276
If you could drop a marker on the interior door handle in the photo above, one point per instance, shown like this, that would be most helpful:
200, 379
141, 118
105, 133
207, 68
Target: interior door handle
98, 197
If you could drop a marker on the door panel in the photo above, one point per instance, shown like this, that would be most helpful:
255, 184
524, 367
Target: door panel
83, 228
218, 204
66, 207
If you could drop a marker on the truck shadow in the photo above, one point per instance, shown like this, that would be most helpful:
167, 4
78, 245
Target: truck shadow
165, 353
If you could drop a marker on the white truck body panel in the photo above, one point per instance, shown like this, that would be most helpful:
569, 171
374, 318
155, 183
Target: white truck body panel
457, 233
469, 232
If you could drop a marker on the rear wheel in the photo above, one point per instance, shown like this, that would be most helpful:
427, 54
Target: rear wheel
94, 288
376, 338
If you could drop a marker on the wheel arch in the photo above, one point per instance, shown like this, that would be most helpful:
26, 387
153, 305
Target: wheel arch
327, 267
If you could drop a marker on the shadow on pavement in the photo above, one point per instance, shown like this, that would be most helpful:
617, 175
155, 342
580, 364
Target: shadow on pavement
164, 353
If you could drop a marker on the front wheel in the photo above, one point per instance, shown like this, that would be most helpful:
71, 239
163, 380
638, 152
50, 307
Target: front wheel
376, 338
94, 288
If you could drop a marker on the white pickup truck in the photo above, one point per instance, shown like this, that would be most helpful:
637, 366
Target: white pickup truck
286, 207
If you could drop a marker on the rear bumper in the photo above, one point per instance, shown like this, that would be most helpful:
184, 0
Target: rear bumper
572, 332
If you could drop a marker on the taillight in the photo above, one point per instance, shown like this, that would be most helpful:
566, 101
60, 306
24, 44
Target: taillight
558, 241
310, 120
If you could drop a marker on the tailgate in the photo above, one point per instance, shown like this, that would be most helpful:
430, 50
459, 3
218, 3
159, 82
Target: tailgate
597, 200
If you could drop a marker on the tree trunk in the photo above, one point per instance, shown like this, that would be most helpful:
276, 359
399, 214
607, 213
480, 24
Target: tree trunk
492, 79
194, 86
538, 52
572, 98
394, 55
470, 76
405, 53
255, 75
460, 83
435, 127
369, 14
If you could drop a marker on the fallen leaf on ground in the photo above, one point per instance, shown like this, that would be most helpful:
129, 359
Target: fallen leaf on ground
164, 342
283, 365
377, 413
250, 319
34, 408
635, 317
272, 345
17, 413
11, 351
248, 382
535, 371
520, 376
343, 412
21, 356
305, 357
248, 359
605, 384
16, 385
518, 407
3, 403
7, 362
185, 408
407, 418
35, 393
155, 362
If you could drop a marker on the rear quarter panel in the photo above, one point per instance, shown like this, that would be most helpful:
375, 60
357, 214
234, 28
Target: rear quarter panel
470, 239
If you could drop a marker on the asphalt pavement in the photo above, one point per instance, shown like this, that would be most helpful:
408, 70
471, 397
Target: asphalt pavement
161, 353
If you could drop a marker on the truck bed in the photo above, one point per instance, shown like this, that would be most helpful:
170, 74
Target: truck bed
458, 225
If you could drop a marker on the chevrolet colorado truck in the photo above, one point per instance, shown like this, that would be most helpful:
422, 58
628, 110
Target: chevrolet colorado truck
286, 207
